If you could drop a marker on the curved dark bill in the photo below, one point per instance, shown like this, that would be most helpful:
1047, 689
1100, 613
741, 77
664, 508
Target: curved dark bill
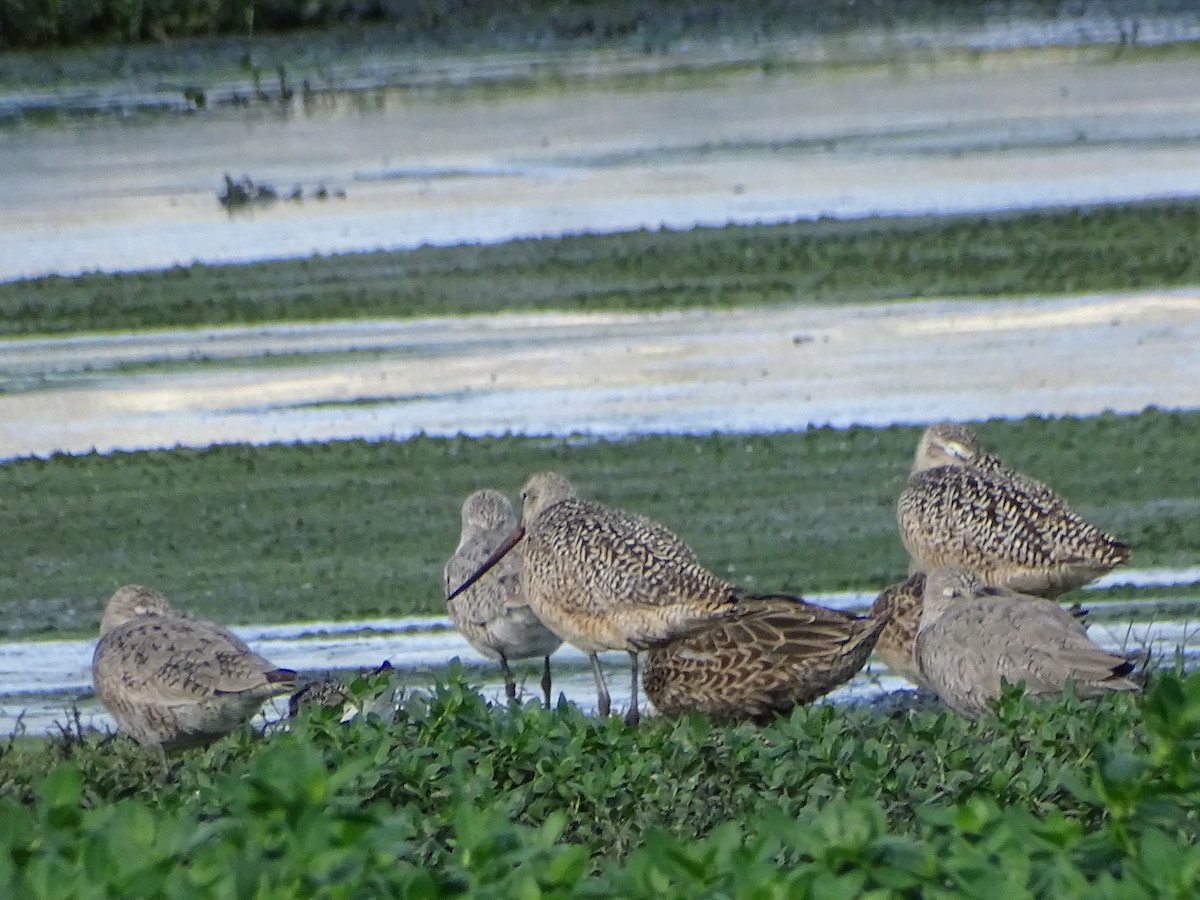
509, 543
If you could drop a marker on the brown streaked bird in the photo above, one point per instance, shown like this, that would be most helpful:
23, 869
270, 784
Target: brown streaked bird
902, 604
774, 652
604, 579
963, 507
172, 681
493, 615
972, 635
335, 692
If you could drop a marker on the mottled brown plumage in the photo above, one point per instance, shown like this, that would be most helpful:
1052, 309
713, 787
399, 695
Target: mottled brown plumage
963, 507
972, 635
604, 579
334, 692
902, 603
172, 681
771, 654
493, 614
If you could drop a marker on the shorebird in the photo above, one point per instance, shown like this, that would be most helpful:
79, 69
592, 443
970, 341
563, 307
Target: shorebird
963, 507
774, 652
172, 681
902, 604
494, 615
335, 692
973, 635
604, 579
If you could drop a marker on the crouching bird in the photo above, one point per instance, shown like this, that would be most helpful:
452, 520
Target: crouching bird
774, 652
172, 681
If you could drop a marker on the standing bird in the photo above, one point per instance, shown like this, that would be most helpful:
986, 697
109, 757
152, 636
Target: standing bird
963, 507
493, 615
772, 653
604, 579
171, 681
972, 635
901, 603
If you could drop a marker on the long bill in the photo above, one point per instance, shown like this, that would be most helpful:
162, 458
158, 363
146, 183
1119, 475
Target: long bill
509, 542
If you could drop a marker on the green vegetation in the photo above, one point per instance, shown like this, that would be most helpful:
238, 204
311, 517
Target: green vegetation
356, 529
458, 798
1135, 246
493, 24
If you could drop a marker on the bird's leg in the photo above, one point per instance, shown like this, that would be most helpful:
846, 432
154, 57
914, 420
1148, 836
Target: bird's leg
510, 684
632, 715
603, 704
546, 682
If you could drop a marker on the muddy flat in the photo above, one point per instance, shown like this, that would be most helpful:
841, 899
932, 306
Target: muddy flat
605, 374
998, 130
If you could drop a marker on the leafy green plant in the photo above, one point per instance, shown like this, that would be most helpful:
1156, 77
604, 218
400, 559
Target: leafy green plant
460, 798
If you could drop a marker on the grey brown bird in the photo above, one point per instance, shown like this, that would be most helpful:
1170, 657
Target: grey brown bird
493, 615
605, 579
904, 603
774, 652
972, 635
901, 603
963, 507
172, 681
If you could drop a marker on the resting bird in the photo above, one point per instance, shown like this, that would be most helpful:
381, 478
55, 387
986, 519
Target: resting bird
773, 653
963, 507
604, 579
493, 614
902, 604
971, 636
172, 681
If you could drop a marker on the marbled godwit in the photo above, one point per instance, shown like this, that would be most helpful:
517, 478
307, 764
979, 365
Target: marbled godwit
604, 579
972, 635
772, 653
171, 681
493, 615
963, 507
905, 601
902, 604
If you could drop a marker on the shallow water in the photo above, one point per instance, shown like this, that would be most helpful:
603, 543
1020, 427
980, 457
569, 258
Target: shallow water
40, 681
423, 167
610, 375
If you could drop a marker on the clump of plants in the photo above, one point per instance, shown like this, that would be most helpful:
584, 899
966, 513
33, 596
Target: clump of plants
458, 797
